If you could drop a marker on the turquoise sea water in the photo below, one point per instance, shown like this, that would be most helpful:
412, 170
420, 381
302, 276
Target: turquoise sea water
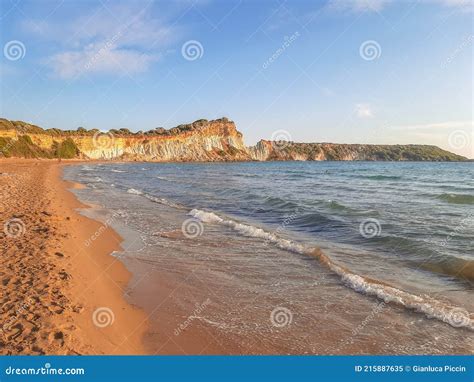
396, 233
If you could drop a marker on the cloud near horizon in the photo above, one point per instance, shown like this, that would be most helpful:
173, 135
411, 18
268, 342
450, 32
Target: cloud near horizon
122, 39
364, 110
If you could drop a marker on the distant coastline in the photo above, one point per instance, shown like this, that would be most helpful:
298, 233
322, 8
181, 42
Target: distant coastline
200, 141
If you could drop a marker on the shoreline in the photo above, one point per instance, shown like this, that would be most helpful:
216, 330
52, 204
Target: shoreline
105, 287
102, 303
81, 309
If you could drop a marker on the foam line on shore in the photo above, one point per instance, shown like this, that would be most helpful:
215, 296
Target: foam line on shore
455, 316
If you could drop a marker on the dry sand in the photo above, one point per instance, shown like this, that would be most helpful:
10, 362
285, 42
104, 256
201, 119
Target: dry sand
57, 295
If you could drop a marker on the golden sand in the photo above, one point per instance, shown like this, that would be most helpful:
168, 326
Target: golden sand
59, 296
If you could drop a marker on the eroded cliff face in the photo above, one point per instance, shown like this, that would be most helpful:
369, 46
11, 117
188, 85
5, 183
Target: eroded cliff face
213, 141
201, 140
216, 140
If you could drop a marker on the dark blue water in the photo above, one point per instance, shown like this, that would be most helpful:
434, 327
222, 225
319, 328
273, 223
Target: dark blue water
412, 211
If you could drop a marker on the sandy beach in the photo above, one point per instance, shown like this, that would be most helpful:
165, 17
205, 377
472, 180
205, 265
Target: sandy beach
57, 295
65, 291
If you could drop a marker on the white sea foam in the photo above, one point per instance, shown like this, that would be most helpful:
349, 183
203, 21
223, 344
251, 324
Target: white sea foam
134, 191
163, 201
114, 170
248, 230
432, 308
206, 217
153, 198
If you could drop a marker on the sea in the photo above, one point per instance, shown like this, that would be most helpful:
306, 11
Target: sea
293, 257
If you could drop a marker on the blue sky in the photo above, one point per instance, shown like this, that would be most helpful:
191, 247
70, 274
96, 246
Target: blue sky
347, 71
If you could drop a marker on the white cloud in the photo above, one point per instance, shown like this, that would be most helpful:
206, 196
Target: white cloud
364, 110
100, 60
358, 5
464, 5
123, 38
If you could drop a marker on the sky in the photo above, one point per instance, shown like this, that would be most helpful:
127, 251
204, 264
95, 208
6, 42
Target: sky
343, 71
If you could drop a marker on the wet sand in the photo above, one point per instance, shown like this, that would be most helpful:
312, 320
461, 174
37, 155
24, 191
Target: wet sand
59, 296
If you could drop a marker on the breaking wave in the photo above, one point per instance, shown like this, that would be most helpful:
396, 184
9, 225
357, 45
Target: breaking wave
134, 191
432, 308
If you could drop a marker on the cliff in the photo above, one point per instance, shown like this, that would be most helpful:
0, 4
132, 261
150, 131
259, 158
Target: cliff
201, 140
266, 150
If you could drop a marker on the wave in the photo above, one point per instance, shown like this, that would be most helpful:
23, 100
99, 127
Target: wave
154, 198
247, 175
163, 201
314, 221
114, 170
276, 202
333, 205
432, 308
457, 198
248, 230
134, 191
382, 177
452, 266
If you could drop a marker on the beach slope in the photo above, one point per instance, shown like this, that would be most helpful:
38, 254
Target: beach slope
57, 295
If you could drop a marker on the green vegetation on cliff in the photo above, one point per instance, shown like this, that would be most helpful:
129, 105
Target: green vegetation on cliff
340, 152
23, 147
66, 149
